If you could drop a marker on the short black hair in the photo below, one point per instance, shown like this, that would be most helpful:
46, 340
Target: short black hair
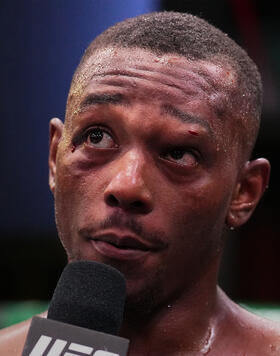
194, 38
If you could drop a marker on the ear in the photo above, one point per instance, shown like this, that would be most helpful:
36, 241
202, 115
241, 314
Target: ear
56, 130
250, 187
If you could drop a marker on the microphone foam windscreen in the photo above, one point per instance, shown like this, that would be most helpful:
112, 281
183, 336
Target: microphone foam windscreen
90, 295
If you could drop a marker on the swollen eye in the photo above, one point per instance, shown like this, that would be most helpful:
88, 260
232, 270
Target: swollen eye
182, 157
177, 154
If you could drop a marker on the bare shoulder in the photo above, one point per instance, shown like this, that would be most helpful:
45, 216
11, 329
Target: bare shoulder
12, 339
264, 334
252, 335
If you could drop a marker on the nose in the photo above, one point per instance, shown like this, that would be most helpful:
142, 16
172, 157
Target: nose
127, 188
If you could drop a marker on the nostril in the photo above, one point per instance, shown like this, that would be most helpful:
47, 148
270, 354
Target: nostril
112, 200
137, 204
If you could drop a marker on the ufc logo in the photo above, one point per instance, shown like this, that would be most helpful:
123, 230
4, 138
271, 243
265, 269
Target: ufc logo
58, 348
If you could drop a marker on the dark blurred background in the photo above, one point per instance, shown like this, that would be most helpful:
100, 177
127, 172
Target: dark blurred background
42, 42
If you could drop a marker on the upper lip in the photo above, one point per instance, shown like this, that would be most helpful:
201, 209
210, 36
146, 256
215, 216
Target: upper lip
125, 241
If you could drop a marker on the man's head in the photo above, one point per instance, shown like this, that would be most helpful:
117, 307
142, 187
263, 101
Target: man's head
151, 163
195, 39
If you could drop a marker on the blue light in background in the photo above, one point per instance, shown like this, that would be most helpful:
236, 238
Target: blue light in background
42, 42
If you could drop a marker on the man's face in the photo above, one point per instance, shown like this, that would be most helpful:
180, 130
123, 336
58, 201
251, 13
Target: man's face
146, 167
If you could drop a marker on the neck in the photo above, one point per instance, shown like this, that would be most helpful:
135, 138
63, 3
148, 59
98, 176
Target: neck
182, 324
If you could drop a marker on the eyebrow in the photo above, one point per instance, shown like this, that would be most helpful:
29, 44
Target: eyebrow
94, 99
105, 98
184, 117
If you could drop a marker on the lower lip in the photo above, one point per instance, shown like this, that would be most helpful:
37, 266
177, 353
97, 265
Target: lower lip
111, 251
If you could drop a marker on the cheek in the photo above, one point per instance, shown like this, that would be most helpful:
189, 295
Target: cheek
77, 194
76, 177
192, 219
199, 209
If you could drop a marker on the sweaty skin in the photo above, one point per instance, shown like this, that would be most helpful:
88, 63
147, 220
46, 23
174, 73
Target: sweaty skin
147, 172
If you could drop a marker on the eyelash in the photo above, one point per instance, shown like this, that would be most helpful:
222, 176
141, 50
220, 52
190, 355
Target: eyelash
84, 136
183, 151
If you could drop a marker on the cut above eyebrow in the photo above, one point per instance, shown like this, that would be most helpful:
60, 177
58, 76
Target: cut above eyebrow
184, 117
103, 98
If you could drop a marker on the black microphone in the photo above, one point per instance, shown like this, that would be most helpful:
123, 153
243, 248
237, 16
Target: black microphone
84, 316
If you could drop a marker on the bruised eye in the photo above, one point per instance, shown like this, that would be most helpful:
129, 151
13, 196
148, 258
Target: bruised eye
99, 138
182, 157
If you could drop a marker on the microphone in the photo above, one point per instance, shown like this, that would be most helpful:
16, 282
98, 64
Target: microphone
84, 316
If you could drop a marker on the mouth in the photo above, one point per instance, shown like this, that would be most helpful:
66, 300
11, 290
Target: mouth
121, 247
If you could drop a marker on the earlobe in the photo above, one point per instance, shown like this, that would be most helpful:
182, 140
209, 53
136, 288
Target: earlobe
249, 189
56, 130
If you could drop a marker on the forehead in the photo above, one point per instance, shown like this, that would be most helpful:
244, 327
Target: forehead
138, 74
210, 74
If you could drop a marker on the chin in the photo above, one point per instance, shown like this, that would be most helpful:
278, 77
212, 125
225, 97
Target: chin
142, 302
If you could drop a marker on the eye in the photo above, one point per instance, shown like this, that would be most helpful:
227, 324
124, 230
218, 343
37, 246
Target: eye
99, 138
182, 157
